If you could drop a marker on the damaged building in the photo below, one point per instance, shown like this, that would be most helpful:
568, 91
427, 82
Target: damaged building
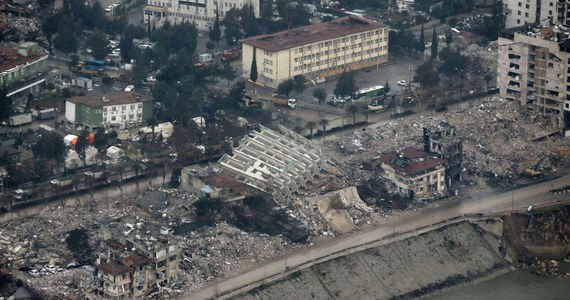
414, 173
210, 182
442, 140
534, 70
138, 256
277, 163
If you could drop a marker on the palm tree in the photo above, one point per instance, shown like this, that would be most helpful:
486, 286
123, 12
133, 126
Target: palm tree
324, 123
351, 110
311, 126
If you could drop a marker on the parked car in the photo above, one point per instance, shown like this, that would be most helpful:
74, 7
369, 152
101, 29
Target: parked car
402, 82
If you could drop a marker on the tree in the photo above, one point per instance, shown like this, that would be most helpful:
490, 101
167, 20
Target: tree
231, 22
248, 23
299, 84
98, 44
298, 129
285, 87
152, 123
267, 10
386, 87
126, 46
426, 75
253, 72
81, 144
29, 101
228, 72
215, 32
434, 44
448, 38
324, 123
49, 146
345, 86
5, 103
422, 42
352, 110
320, 94
66, 39
311, 126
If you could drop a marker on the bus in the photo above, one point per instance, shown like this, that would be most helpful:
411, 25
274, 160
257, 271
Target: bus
94, 64
369, 93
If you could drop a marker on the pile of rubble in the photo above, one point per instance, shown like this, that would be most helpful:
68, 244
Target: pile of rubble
68, 284
497, 138
222, 250
486, 56
21, 28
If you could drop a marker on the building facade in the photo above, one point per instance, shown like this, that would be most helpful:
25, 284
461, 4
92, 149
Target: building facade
518, 13
534, 70
200, 12
119, 109
442, 141
23, 70
138, 255
414, 173
316, 51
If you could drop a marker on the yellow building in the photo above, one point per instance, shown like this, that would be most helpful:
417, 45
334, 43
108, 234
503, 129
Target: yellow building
317, 51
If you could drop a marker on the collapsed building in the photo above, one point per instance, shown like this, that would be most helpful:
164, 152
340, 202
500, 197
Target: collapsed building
443, 141
138, 257
414, 173
277, 163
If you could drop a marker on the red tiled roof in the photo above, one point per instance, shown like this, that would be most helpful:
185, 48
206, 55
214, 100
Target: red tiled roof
412, 161
225, 181
114, 268
10, 58
412, 153
468, 35
313, 33
114, 244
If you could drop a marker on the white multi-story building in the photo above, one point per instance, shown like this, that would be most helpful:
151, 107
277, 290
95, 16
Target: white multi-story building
120, 109
200, 12
519, 12
317, 51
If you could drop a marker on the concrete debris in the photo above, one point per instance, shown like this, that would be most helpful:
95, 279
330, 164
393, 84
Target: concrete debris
498, 146
67, 284
222, 250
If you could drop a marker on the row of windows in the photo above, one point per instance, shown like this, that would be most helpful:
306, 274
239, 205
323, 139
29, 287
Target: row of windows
189, 16
342, 49
267, 62
334, 51
334, 60
123, 107
352, 39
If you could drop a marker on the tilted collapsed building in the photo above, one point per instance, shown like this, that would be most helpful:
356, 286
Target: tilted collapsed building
442, 140
138, 257
277, 163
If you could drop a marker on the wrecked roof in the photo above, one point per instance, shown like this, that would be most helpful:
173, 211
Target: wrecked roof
114, 268
313, 33
412, 161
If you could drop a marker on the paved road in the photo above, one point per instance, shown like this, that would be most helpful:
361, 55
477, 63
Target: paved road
518, 200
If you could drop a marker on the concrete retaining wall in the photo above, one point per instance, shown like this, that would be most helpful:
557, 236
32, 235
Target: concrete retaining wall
419, 265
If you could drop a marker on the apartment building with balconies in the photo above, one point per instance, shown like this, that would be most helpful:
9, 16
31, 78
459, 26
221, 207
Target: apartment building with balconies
534, 70
138, 254
317, 51
200, 12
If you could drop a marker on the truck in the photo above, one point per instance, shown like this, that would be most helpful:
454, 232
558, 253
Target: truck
204, 60
62, 182
247, 101
229, 55
284, 100
45, 114
20, 119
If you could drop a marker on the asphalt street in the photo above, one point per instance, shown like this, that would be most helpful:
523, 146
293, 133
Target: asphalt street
517, 200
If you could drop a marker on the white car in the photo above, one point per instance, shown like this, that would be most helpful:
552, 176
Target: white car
402, 82
129, 88
114, 53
